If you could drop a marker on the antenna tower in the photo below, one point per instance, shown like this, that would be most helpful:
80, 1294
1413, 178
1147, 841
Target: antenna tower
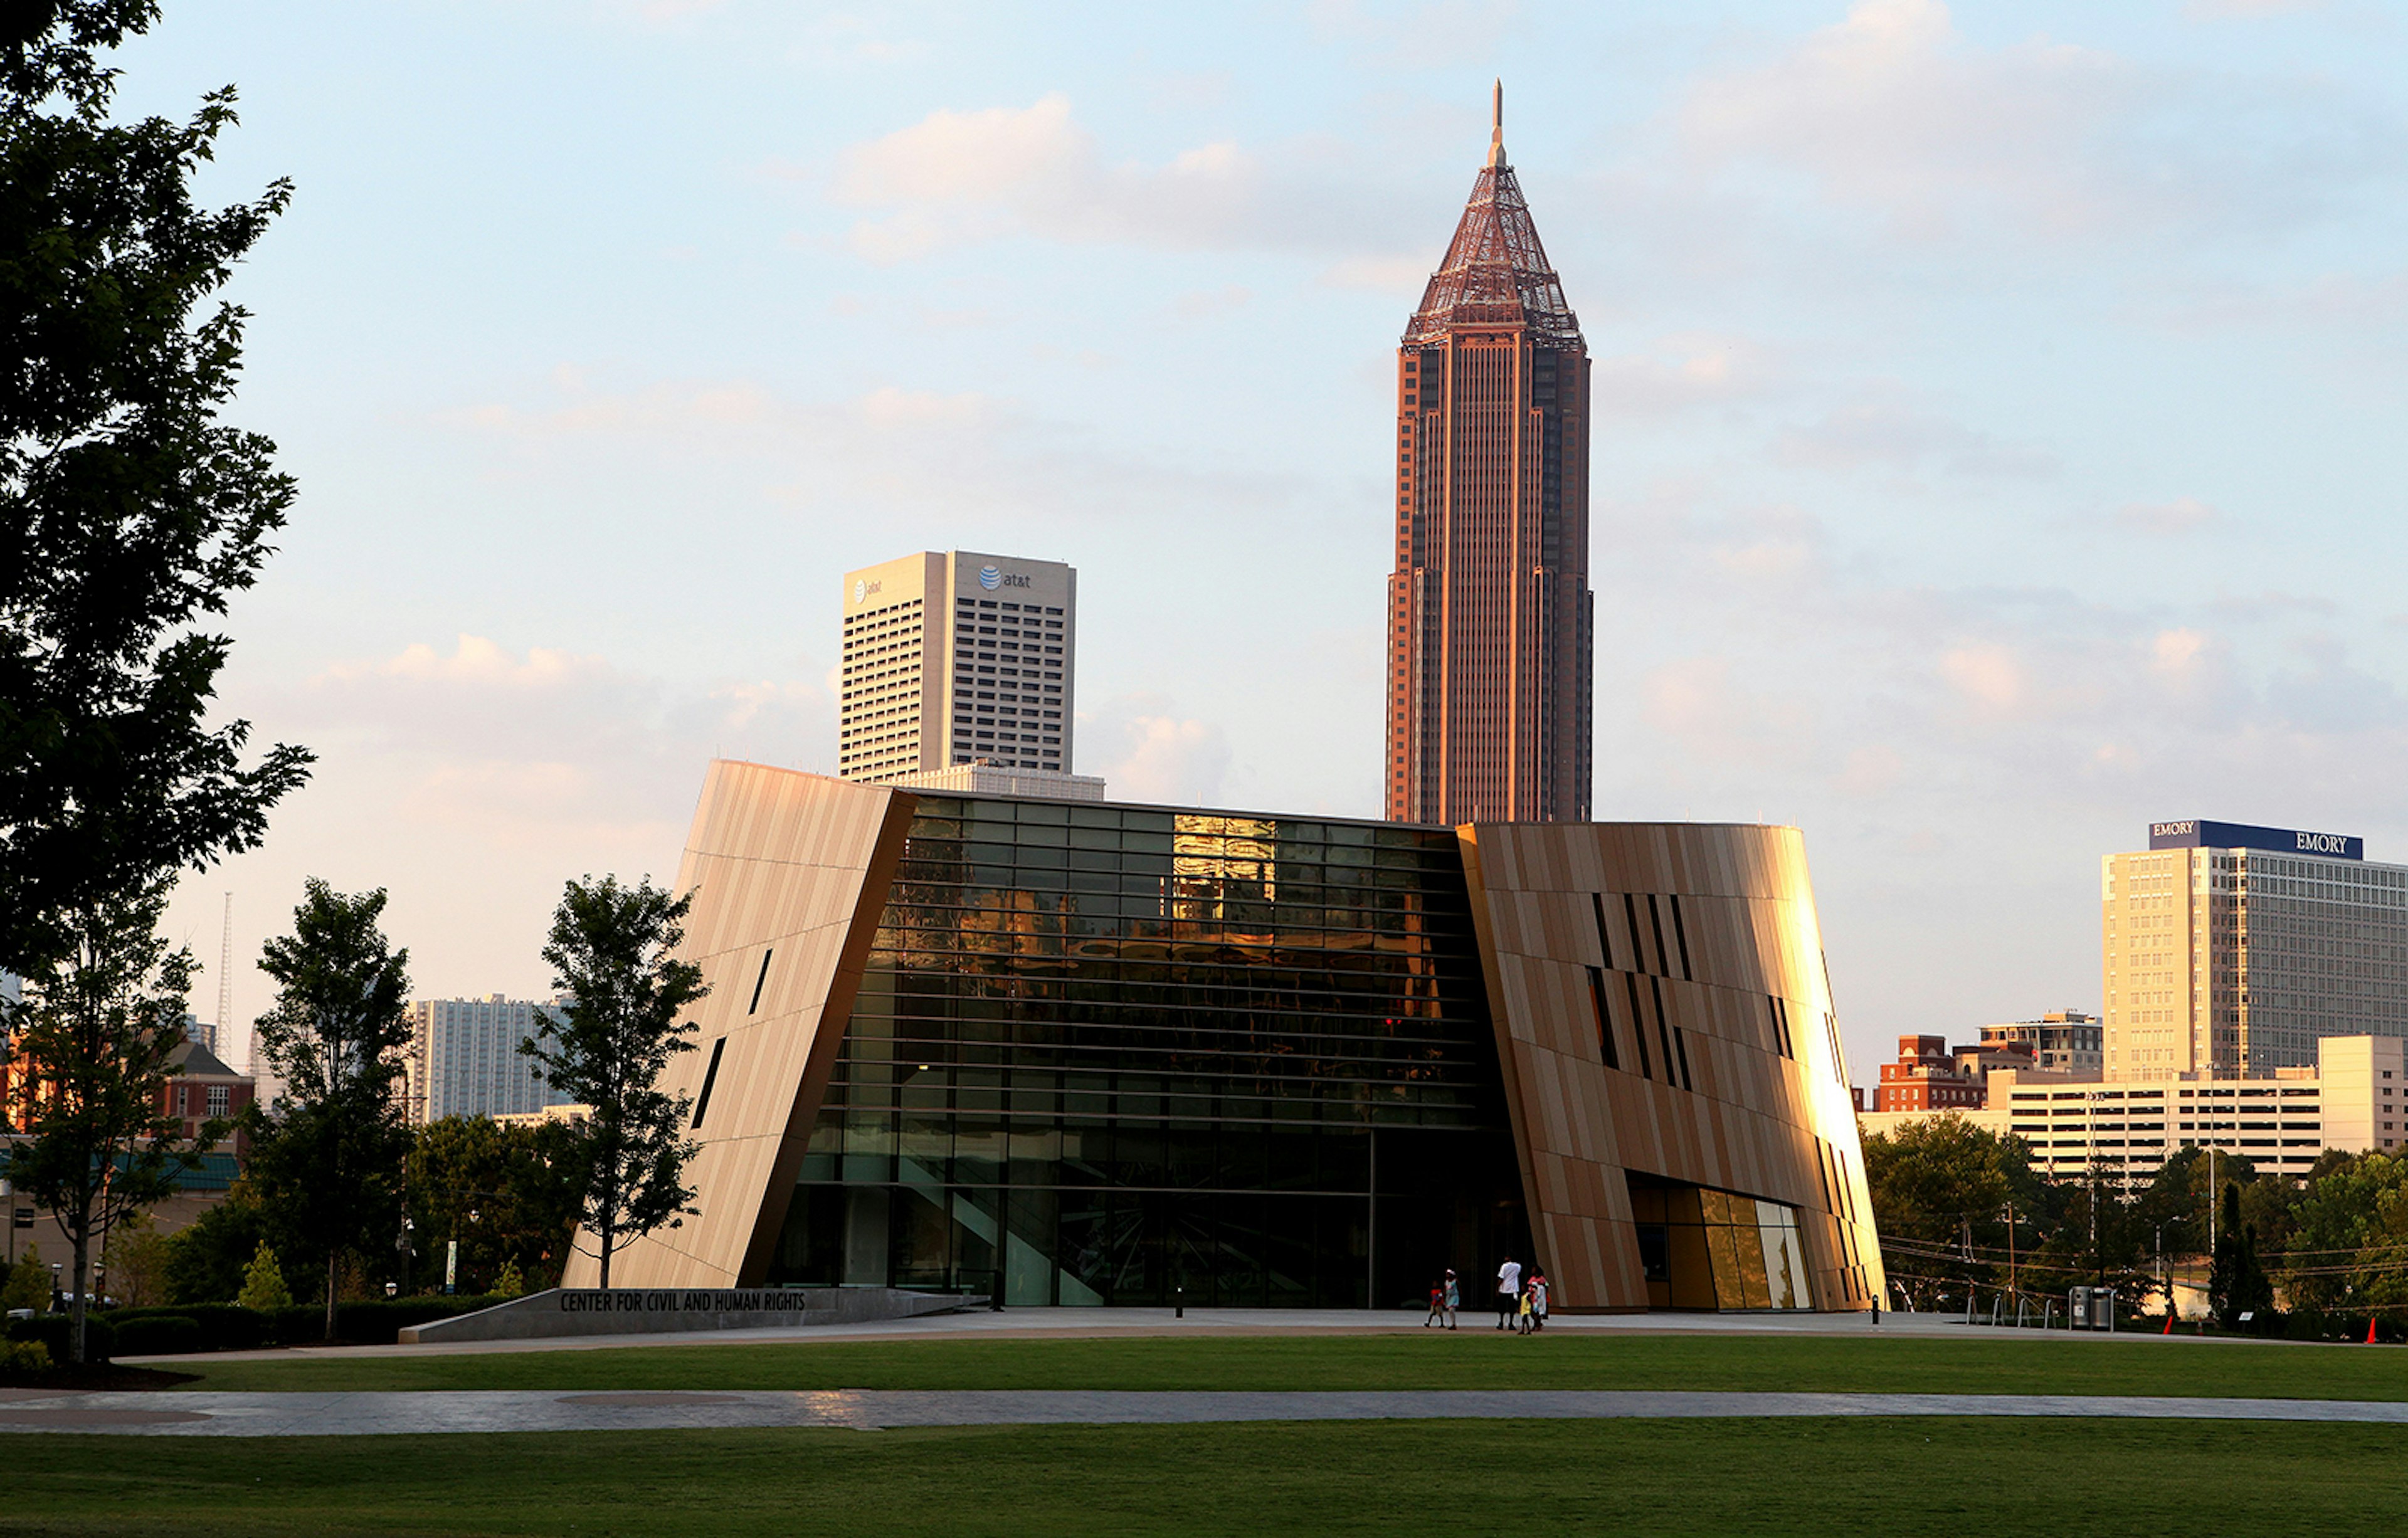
221, 1035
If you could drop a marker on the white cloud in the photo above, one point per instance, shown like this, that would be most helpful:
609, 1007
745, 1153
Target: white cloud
1398, 274
2181, 516
1893, 111
2225, 11
534, 745
955, 176
1160, 757
1681, 371
1902, 438
1989, 677
959, 177
2175, 653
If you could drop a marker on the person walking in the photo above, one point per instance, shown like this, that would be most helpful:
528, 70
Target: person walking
1509, 1291
1538, 1298
1438, 1306
1530, 1292
1454, 1297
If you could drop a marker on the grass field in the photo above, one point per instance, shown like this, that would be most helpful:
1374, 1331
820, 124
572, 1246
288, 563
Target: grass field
1468, 1359
1964, 1477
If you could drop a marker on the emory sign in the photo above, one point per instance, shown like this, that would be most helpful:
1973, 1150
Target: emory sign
2200, 833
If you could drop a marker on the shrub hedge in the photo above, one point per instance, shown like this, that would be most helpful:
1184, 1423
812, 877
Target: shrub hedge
230, 1327
53, 1331
157, 1335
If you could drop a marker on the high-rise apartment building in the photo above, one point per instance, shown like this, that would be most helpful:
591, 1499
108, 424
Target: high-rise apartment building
464, 1059
1489, 619
954, 657
2063, 1041
2231, 950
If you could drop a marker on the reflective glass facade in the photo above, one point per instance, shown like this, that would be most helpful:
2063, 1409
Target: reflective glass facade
1101, 1053
1704, 1248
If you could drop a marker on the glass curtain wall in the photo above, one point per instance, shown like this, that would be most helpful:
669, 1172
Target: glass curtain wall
1705, 1249
1123, 1055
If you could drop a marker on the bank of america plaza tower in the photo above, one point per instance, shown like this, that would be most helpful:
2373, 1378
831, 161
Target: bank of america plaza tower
1489, 614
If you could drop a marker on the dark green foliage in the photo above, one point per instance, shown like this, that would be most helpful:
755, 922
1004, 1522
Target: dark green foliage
229, 1327
510, 1193
2348, 1251
2237, 1283
102, 1021
326, 1162
612, 951
206, 1257
58, 1333
218, 1327
1943, 1183
129, 513
156, 1335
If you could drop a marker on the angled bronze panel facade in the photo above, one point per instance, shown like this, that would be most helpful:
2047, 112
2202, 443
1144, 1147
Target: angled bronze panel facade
790, 872
1699, 944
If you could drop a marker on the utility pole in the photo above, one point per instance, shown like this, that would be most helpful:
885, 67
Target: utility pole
2097, 1255
2011, 1249
221, 1035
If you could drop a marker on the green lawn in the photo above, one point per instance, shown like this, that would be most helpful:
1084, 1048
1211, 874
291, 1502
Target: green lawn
1962, 1477
1468, 1358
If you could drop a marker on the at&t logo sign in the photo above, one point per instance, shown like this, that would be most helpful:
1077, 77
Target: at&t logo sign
992, 577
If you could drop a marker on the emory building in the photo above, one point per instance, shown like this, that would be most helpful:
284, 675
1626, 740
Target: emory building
957, 659
1489, 618
2230, 951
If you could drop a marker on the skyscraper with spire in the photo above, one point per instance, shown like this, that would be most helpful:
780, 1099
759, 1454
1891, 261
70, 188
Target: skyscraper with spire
1489, 613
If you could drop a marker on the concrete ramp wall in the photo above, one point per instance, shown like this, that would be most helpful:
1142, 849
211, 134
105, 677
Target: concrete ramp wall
666, 1310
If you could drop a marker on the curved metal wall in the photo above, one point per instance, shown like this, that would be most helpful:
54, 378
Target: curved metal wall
1663, 1010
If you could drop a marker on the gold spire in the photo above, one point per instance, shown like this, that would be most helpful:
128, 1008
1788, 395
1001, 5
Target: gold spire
1497, 125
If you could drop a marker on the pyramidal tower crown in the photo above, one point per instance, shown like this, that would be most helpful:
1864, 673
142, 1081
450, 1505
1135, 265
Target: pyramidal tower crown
1490, 617
1496, 271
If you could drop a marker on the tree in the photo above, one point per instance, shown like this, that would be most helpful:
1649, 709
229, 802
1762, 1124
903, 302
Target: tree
206, 1258
508, 1192
28, 1285
96, 1032
612, 951
129, 513
263, 1283
2237, 1283
135, 1262
2351, 1242
327, 1163
1940, 1186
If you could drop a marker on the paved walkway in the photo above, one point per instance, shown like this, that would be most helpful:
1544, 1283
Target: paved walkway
488, 1411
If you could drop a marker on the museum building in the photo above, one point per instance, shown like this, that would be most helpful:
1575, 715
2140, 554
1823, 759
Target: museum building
1092, 1053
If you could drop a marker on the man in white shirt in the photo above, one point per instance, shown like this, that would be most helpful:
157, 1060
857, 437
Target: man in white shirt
1509, 1292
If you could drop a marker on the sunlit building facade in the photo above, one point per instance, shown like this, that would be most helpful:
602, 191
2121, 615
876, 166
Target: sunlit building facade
954, 659
1086, 1053
1490, 628
2232, 950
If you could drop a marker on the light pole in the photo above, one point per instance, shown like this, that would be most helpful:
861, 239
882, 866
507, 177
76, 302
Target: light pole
2011, 1249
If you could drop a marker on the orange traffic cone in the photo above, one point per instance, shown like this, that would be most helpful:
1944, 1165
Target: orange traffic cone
2170, 1322
2370, 1329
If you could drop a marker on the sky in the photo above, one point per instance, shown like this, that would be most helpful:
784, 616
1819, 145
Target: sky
1997, 436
